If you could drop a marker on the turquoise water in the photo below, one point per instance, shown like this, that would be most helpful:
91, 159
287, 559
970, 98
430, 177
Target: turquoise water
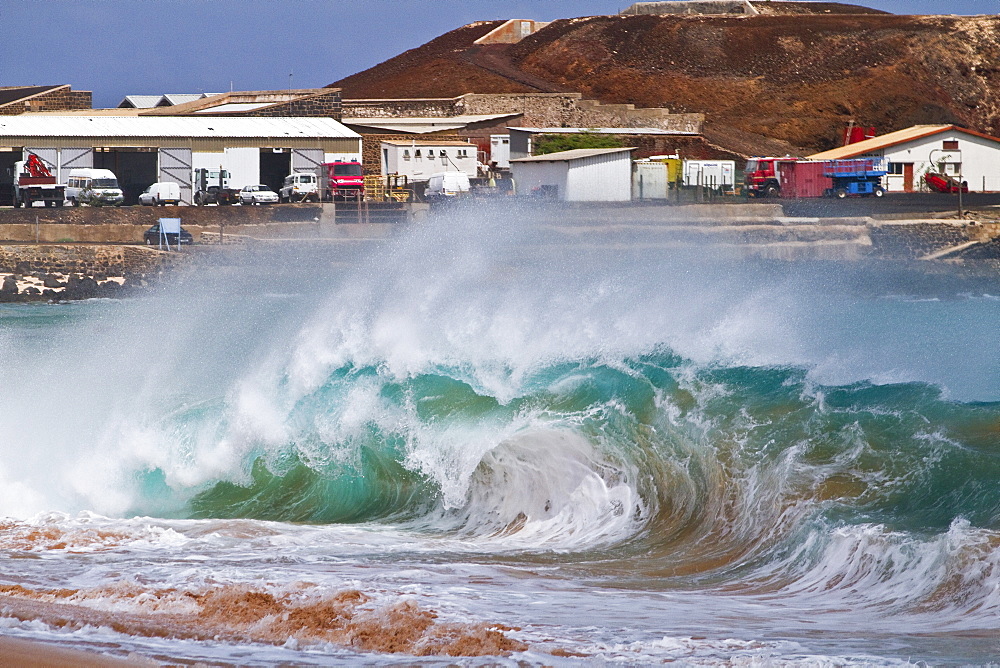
627, 455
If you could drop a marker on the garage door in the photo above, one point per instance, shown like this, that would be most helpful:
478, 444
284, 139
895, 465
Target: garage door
306, 159
50, 156
175, 167
74, 157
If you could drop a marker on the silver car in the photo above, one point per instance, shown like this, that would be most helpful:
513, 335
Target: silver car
258, 194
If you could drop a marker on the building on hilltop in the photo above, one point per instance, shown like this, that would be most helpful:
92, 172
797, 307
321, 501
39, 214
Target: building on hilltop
511, 32
711, 7
15, 100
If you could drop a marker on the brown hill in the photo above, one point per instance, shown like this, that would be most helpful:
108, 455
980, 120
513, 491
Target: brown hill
792, 76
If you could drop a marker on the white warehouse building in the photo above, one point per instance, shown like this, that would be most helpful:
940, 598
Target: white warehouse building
911, 153
142, 150
579, 175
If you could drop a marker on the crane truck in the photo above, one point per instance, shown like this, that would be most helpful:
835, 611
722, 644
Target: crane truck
33, 182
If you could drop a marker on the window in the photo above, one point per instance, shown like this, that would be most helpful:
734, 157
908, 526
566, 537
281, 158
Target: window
950, 144
444, 153
463, 153
406, 154
416, 153
895, 168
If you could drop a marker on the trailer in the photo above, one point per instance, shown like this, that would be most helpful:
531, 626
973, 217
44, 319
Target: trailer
944, 183
861, 177
803, 178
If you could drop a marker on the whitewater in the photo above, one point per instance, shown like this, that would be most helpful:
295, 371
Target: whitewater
486, 442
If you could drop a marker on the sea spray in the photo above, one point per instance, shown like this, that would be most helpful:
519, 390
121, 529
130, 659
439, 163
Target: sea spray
624, 451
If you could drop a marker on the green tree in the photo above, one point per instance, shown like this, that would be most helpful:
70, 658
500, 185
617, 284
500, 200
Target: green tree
553, 143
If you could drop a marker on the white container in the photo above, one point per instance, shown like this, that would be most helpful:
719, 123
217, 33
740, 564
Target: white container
710, 173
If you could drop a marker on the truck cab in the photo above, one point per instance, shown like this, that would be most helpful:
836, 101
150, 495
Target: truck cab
761, 177
341, 180
212, 187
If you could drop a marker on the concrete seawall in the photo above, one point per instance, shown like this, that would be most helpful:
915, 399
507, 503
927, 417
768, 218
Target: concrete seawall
107, 242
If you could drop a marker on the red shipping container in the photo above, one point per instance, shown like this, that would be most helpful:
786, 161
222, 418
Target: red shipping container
803, 178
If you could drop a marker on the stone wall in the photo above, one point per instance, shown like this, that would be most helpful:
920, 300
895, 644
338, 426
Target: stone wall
89, 260
62, 98
562, 110
127, 224
324, 104
417, 108
909, 239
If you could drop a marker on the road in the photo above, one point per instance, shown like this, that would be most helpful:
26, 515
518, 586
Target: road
893, 203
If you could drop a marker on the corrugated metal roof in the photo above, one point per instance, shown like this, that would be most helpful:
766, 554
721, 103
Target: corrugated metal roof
170, 126
892, 139
574, 154
181, 98
142, 101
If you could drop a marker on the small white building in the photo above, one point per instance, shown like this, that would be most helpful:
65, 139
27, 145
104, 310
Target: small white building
580, 175
417, 160
911, 153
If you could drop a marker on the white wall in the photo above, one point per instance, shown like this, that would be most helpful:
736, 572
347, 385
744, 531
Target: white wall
528, 176
402, 159
979, 158
243, 165
601, 178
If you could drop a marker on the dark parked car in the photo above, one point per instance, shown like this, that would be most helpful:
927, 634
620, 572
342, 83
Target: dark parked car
152, 236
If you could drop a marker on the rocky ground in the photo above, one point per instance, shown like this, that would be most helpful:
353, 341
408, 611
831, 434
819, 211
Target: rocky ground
796, 77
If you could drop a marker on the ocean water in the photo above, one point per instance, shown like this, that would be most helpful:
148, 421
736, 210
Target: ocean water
484, 442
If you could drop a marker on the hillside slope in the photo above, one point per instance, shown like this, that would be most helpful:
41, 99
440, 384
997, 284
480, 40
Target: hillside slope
796, 77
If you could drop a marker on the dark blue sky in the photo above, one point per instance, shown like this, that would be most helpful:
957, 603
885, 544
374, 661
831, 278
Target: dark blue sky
121, 47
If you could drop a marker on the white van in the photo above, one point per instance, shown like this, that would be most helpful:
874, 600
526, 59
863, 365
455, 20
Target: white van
96, 187
299, 187
447, 184
165, 192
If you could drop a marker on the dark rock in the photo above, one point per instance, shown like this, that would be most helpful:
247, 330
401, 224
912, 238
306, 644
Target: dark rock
51, 281
9, 285
32, 290
81, 288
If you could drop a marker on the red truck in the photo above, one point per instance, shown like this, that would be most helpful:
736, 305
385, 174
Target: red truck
341, 179
762, 176
796, 178
33, 182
